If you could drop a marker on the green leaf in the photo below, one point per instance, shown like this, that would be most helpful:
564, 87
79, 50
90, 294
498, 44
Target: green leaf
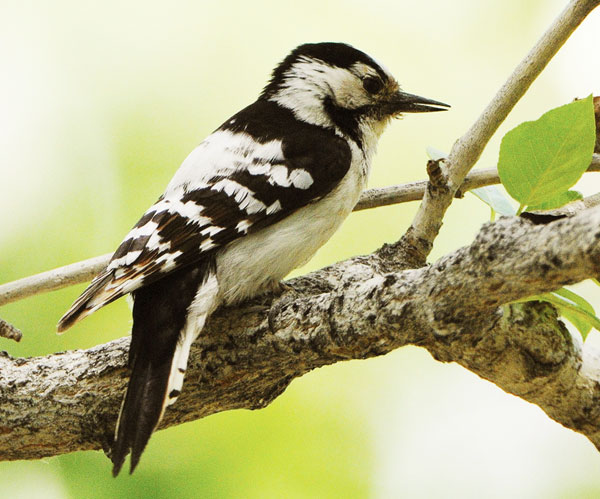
539, 160
572, 307
435, 154
558, 201
495, 199
582, 325
575, 298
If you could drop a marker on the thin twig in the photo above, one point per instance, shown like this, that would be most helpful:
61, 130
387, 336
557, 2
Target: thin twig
467, 150
373, 198
85, 270
413, 191
52, 280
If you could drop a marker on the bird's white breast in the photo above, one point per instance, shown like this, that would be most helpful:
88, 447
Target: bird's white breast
251, 263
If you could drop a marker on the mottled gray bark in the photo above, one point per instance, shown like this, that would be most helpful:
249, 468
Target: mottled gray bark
363, 307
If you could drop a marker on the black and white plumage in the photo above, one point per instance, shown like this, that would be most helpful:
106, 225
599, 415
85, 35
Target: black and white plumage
253, 201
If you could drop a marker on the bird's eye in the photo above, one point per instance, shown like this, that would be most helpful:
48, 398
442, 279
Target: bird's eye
372, 84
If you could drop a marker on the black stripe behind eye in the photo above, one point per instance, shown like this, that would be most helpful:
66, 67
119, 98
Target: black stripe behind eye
347, 120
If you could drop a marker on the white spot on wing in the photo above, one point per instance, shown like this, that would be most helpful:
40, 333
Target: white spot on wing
207, 244
274, 208
118, 287
189, 209
243, 196
301, 179
167, 260
155, 243
243, 226
133, 284
211, 230
259, 169
279, 175
132, 257
144, 230
126, 259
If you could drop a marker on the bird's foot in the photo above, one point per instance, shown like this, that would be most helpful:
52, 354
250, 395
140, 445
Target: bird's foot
277, 288
283, 294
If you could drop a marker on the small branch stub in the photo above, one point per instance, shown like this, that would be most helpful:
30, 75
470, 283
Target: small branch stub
9, 331
435, 172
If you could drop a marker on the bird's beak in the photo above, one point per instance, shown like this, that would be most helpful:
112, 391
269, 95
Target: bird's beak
401, 102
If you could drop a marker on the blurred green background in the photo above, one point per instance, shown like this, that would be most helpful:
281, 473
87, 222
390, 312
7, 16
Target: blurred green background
100, 103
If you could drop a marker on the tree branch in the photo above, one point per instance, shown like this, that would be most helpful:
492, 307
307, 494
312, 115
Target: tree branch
355, 309
85, 270
52, 280
467, 150
373, 198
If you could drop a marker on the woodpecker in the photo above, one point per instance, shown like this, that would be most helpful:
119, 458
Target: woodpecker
256, 199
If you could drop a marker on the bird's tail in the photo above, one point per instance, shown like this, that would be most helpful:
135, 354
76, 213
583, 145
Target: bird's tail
141, 410
167, 317
153, 386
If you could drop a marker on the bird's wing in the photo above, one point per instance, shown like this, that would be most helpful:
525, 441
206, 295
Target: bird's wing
229, 186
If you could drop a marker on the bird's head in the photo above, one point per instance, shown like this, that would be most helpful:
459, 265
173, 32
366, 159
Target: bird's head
336, 85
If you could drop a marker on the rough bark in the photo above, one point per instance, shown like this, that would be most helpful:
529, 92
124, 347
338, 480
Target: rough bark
363, 307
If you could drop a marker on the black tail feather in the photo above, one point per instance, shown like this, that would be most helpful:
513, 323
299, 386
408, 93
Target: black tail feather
141, 411
159, 315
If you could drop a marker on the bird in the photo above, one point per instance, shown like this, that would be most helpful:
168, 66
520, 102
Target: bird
253, 201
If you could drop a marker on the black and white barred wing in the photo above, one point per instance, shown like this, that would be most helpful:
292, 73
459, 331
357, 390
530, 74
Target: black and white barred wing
228, 187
